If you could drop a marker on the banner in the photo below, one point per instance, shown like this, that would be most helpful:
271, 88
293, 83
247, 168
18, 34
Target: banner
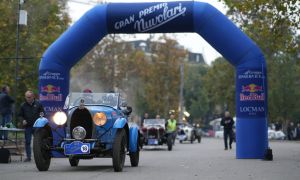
251, 93
52, 91
150, 17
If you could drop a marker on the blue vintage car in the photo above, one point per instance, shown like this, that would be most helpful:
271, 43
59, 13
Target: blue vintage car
95, 126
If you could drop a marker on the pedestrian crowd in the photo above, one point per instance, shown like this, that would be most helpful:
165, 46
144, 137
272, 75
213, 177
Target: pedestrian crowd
26, 116
293, 131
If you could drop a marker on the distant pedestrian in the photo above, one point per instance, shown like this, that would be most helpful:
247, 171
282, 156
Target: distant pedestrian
29, 112
228, 123
146, 116
291, 131
298, 131
157, 116
6, 109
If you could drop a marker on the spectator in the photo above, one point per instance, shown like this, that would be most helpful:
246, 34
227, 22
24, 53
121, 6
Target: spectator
6, 103
146, 116
278, 126
298, 131
228, 123
29, 112
290, 131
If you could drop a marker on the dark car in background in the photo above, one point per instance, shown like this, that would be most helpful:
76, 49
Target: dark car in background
154, 133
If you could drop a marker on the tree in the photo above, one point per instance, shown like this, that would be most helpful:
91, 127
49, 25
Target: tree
195, 95
219, 83
161, 76
46, 21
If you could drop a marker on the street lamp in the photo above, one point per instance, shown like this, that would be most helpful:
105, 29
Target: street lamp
21, 20
180, 118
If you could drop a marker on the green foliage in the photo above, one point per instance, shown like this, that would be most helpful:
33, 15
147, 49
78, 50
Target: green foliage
161, 76
46, 20
195, 95
219, 83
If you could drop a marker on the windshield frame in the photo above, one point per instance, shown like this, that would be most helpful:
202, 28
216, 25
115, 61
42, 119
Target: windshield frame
74, 99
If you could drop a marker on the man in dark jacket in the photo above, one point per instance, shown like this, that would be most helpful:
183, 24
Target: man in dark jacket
228, 123
6, 103
29, 113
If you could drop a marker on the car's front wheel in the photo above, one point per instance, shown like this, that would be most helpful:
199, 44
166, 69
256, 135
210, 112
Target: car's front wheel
41, 150
73, 161
119, 150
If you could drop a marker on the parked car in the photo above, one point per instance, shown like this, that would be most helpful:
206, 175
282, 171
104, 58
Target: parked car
95, 126
154, 133
276, 135
186, 133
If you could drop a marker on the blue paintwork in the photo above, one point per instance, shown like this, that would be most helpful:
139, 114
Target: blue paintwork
133, 138
41, 122
167, 17
120, 123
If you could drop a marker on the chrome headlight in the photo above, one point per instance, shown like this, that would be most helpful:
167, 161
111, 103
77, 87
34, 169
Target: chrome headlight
60, 118
79, 133
99, 119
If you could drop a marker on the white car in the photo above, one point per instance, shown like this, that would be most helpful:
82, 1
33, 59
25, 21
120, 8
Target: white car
186, 133
276, 135
219, 134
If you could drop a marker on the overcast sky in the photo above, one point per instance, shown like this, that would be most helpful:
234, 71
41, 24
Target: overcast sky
191, 41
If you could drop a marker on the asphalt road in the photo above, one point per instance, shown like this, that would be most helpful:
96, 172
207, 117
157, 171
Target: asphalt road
187, 161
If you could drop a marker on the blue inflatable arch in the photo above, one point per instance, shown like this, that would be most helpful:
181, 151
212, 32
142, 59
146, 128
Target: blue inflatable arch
167, 17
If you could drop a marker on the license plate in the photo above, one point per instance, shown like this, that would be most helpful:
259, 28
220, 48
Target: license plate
152, 141
77, 147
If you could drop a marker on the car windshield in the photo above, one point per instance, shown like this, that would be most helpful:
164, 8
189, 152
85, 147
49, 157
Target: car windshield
154, 122
107, 99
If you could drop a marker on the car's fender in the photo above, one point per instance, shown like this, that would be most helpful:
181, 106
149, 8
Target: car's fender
133, 138
41, 122
120, 123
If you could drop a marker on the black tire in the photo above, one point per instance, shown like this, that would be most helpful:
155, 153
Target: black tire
180, 141
41, 149
74, 161
170, 142
199, 139
135, 156
119, 150
192, 138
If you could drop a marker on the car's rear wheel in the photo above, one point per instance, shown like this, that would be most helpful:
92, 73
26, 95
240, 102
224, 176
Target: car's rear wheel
119, 150
134, 158
192, 138
73, 161
199, 139
41, 150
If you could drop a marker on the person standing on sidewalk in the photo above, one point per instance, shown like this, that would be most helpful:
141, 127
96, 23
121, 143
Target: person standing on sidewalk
228, 123
6, 110
29, 112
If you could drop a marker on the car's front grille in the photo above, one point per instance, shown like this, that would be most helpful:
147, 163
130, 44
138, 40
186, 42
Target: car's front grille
82, 117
